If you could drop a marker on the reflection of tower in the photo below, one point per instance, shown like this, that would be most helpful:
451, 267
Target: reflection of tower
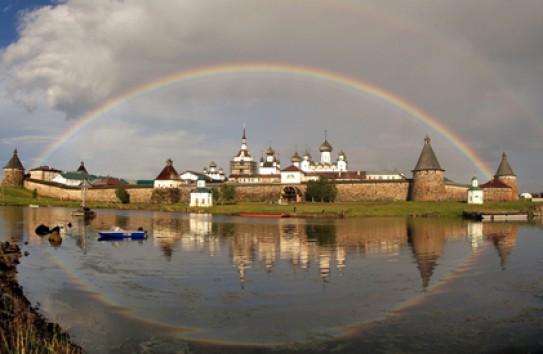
324, 263
426, 239
340, 259
504, 238
475, 234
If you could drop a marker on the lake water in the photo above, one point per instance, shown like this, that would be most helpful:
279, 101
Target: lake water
222, 284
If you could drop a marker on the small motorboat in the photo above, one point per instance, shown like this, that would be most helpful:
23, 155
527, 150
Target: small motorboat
119, 233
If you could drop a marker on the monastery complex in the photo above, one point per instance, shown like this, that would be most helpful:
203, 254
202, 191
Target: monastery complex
266, 180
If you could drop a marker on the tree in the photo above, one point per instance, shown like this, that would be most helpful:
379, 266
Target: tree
216, 193
122, 195
321, 190
228, 193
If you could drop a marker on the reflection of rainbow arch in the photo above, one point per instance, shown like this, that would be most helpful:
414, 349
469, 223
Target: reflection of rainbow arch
313, 75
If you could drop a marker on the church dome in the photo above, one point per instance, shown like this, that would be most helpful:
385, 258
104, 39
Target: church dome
270, 151
325, 147
296, 157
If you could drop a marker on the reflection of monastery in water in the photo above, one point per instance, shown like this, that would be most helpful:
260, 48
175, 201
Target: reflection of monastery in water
326, 248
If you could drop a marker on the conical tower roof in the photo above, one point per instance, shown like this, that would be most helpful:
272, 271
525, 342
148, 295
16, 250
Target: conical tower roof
14, 163
427, 158
504, 169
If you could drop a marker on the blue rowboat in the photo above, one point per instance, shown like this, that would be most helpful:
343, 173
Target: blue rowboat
119, 233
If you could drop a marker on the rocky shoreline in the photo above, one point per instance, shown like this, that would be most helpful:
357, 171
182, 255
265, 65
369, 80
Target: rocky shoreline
23, 329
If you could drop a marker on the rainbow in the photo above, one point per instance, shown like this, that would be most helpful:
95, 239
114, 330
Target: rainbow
316, 75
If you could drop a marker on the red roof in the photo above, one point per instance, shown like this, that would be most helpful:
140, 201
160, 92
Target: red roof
109, 181
291, 168
168, 173
494, 184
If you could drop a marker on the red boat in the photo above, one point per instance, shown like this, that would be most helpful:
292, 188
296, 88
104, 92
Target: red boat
256, 214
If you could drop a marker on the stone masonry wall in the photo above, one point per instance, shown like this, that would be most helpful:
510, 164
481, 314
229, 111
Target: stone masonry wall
497, 194
457, 192
95, 194
12, 177
373, 191
428, 185
347, 192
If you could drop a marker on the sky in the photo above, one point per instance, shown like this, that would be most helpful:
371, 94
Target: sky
126, 85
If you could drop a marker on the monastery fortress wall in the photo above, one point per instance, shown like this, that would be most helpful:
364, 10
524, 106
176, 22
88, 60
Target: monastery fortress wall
356, 191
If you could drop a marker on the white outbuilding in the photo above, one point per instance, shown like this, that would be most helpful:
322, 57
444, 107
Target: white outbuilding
201, 196
475, 193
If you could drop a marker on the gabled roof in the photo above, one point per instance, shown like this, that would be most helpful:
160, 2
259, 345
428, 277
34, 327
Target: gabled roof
504, 169
427, 159
495, 183
14, 163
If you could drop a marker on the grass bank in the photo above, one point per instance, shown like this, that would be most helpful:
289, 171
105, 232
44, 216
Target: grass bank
17, 196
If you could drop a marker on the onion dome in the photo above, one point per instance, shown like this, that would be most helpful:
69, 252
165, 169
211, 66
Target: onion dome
325, 147
213, 164
270, 151
295, 157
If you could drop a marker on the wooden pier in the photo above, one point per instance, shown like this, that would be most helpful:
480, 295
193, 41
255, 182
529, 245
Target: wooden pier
495, 216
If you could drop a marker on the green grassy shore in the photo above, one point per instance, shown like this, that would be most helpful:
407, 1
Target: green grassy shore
22, 197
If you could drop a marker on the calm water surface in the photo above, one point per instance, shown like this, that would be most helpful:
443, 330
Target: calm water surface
216, 284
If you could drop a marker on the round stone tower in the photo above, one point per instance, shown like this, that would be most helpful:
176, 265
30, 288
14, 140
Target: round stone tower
14, 172
428, 176
505, 174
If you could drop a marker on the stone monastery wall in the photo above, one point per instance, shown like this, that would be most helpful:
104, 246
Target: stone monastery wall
356, 191
95, 194
456, 192
347, 192
373, 191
